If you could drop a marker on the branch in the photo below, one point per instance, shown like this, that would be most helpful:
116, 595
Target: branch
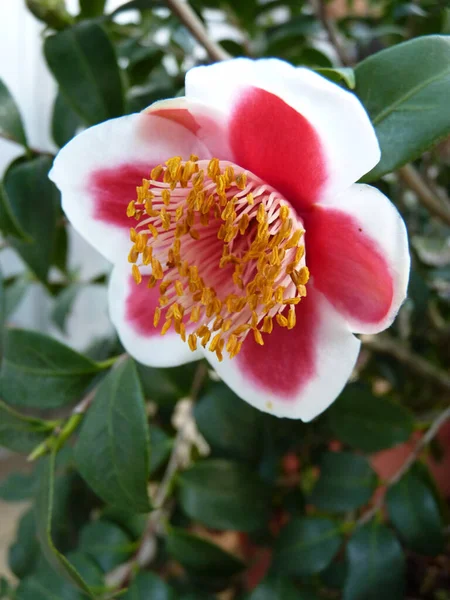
420, 445
192, 22
426, 196
386, 345
321, 12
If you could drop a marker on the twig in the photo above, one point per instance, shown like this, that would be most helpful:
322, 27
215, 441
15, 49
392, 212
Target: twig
386, 345
420, 445
426, 196
120, 576
321, 12
191, 21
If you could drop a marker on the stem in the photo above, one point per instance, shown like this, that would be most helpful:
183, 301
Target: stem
321, 12
420, 445
192, 22
426, 196
386, 345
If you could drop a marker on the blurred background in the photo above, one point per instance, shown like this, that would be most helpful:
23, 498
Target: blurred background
64, 295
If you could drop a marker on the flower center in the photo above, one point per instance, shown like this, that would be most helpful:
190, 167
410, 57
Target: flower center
225, 249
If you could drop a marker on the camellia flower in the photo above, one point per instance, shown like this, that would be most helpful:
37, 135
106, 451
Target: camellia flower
237, 232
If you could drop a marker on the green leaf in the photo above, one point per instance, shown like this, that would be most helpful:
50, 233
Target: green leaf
414, 512
306, 546
24, 182
44, 520
20, 433
91, 8
15, 293
11, 125
405, 90
346, 482
276, 588
199, 555
24, 552
92, 85
345, 74
106, 543
46, 584
376, 565
148, 585
367, 422
224, 495
161, 445
9, 224
64, 304
65, 121
112, 451
166, 386
16, 487
40, 372
231, 427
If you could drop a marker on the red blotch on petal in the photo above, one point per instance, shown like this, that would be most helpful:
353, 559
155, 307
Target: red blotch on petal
346, 265
287, 361
140, 306
113, 189
274, 141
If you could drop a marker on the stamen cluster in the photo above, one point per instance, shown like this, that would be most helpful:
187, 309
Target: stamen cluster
225, 249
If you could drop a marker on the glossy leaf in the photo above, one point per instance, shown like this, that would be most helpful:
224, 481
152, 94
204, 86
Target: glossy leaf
44, 517
415, 513
148, 585
344, 74
405, 90
160, 447
199, 555
306, 546
92, 85
166, 386
39, 372
65, 121
92, 8
367, 422
24, 552
346, 482
20, 433
112, 451
231, 427
280, 588
11, 125
24, 182
224, 495
106, 543
376, 565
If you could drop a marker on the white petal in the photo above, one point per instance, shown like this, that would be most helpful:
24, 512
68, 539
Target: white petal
119, 152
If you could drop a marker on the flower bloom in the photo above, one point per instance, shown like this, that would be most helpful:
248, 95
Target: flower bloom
237, 232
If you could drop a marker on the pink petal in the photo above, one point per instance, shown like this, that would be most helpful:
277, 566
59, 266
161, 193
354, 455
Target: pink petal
357, 254
98, 171
299, 372
277, 143
315, 124
131, 308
